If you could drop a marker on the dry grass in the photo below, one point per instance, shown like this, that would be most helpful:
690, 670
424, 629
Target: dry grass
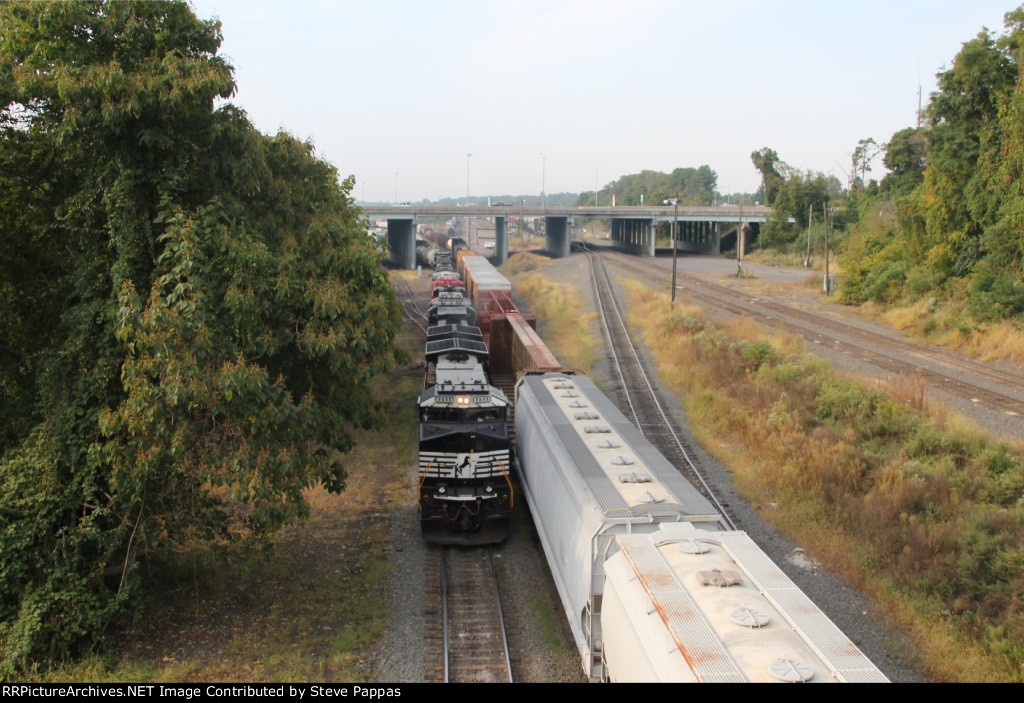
564, 322
908, 390
524, 262
924, 514
951, 327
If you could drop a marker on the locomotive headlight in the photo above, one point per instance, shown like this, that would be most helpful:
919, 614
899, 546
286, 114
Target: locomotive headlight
440, 490
462, 400
489, 489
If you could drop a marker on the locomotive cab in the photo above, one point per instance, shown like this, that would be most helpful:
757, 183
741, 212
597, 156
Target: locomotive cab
465, 489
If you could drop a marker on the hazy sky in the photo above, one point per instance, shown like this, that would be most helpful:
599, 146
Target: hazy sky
601, 87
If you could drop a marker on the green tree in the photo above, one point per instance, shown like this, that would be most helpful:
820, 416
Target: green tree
905, 159
863, 155
793, 201
964, 116
772, 171
693, 186
192, 314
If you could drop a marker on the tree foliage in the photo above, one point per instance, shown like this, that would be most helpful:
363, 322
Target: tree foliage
905, 159
693, 186
191, 315
792, 198
959, 202
863, 155
773, 172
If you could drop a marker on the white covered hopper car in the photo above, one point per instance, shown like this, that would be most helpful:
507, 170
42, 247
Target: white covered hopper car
655, 586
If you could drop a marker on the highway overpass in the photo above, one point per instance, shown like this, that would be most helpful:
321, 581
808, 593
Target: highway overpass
632, 227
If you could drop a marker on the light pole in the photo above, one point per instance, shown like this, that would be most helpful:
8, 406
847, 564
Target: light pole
675, 229
522, 240
595, 185
396, 187
468, 218
543, 174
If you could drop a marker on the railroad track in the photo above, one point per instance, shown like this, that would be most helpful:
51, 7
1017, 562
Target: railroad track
466, 642
935, 367
409, 305
636, 390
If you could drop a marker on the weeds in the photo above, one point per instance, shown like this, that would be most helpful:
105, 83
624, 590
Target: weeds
948, 326
548, 627
921, 512
524, 262
563, 323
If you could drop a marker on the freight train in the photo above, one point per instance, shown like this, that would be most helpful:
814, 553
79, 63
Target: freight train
654, 584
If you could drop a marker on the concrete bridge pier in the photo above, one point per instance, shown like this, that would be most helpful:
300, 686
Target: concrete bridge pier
633, 235
700, 236
402, 243
556, 235
500, 240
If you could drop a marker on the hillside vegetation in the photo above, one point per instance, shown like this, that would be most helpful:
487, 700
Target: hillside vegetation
946, 224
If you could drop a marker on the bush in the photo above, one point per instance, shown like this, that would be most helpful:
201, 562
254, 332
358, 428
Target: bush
995, 296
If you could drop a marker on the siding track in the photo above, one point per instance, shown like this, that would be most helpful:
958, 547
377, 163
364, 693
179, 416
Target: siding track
976, 381
637, 390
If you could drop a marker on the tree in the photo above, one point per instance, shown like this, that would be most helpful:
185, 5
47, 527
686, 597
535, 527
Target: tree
905, 159
192, 314
693, 186
794, 200
773, 172
863, 155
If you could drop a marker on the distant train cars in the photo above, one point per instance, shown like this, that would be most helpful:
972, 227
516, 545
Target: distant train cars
655, 587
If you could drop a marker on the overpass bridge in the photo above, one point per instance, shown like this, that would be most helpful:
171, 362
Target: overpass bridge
633, 227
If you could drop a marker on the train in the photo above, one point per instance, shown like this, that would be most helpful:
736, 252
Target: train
465, 488
655, 585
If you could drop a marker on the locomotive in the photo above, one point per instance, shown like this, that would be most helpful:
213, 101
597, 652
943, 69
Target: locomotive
465, 490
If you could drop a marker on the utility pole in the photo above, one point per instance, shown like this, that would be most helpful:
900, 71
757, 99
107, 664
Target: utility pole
828, 286
522, 239
740, 244
810, 221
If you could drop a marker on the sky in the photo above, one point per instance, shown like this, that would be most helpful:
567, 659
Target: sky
398, 93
